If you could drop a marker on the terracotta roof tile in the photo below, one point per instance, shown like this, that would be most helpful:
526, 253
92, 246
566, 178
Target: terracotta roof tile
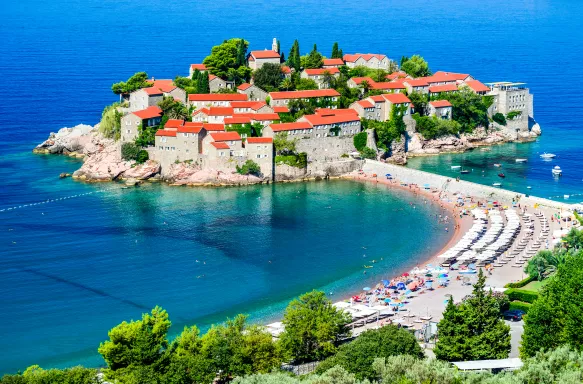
149, 113
440, 103
290, 126
225, 136
304, 94
259, 140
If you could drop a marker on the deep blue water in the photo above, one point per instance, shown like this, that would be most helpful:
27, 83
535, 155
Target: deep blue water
89, 262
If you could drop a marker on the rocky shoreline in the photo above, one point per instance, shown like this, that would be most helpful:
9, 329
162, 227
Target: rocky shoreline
102, 159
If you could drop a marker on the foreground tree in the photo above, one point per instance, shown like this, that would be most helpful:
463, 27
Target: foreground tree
313, 60
415, 66
137, 81
268, 77
110, 124
336, 54
473, 330
293, 59
313, 327
227, 60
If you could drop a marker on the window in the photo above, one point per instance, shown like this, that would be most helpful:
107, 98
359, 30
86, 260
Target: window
259, 156
173, 148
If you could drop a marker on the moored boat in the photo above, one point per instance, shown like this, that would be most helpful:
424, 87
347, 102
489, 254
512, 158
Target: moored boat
497, 165
501, 175
497, 184
557, 171
521, 160
456, 166
548, 155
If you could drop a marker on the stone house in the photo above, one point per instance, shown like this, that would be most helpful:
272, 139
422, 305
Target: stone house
477, 87
511, 97
383, 105
318, 75
296, 129
364, 108
416, 85
182, 143
369, 60
132, 121
201, 100
251, 107
256, 59
278, 99
217, 84
385, 86
436, 90
193, 67
253, 92
286, 71
333, 63
147, 97
330, 123
222, 150
440, 108
261, 151
397, 99
217, 115
397, 75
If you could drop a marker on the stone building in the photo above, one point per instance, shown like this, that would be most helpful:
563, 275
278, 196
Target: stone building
318, 75
369, 60
436, 90
385, 86
364, 108
193, 67
512, 97
333, 63
253, 92
416, 85
331, 123
261, 151
201, 100
147, 97
132, 121
179, 143
279, 99
440, 108
256, 59
222, 151
217, 84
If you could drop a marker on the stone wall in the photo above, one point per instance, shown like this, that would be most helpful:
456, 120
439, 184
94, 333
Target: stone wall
317, 170
325, 149
414, 176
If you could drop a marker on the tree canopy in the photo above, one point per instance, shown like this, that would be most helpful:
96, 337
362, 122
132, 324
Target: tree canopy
469, 109
313, 60
293, 59
313, 327
135, 82
415, 66
110, 124
268, 77
228, 60
336, 52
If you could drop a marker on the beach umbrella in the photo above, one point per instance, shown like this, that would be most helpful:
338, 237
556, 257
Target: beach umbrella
472, 266
392, 287
405, 274
387, 300
408, 291
428, 275
401, 285
441, 275
385, 282
366, 289
394, 304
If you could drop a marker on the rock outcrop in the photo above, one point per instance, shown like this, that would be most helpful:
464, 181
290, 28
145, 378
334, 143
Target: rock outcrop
191, 174
80, 139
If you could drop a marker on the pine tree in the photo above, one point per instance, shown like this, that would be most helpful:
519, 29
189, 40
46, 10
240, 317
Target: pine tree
293, 59
340, 54
203, 84
335, 51
196, 75
241, 53
278, 47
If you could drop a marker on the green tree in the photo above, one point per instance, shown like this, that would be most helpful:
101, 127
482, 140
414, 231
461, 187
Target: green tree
415, 66
368, 153
335, 52
469, 110
313, 327
432, 127
249, 168
173, 109
360, 140
129, 151
283, 145
293, 59
313, 60
286, 84
137, 81
227, 60
189, 85
473, 330
306, 84
357, 356
110, 124
499, 118
328, 79
202, 85
420, 101
140, 342
268, 77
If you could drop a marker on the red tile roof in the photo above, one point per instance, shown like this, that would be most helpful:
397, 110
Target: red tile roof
359, 80
452, 75
416, 82
477, 86
267, 54
443, 88
285, 69
387, 85
365, 104
220, 111
280, 109
237, 119
333, 112
396, 75
243, 86
445, 77
378, 98
225, 136
331, 119
263, 116
214, 127
164, 132
193, 124
304, 94
290, 126
200, 67
217, 97
440, 103
321, 71
149, 113
259, 140
396, 98
220, 145
366, 56
204, 110
153, 91
174, 123
330, 62
248, 104
190, 128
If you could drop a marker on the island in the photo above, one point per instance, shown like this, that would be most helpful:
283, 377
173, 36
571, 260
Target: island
247, 117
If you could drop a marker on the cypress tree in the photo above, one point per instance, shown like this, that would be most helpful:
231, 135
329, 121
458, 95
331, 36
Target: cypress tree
340, 54
278, 47
203, 84
241, 53
196, 75
293, 59
335, 51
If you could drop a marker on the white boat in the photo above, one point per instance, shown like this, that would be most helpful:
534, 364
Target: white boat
521, 160
566, 196
456, 166
548, 155
529, 187
557, 171
497, 184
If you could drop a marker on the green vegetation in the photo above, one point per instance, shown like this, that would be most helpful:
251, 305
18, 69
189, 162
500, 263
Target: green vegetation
545, 263
313, 60
513, 114
357, 356
432, 126
554, 319
299, 161
241, 129
519, 284
336, 52
368, 153
313, 328
387, 131
110, 124
172, 109
228, 61
268, 77
36, 375
137, 81
147, 135
306, 85
499, 118
249, 168
472, 329
189, 85
202, 84
520, 305
469, 109
293, 59
415, 66
129, 151
360, 140
420, 101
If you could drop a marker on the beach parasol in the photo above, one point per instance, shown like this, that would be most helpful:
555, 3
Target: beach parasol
387, 300
442, 275
385, 282
366, 289
428, 275
392, 287
401, 285
405, 274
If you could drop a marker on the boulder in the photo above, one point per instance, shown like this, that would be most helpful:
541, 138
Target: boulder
142, 171
68, 140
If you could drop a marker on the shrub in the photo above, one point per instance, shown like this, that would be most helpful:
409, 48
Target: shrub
519, 305
142, 157
360, 140
513, 114
521, 295
368, 153
130, 151
499, 118
110, 124
521, 283
249, 168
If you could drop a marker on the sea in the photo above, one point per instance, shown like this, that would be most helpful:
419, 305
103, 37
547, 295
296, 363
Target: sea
76, 259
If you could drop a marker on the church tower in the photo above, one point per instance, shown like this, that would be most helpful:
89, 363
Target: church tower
274, 45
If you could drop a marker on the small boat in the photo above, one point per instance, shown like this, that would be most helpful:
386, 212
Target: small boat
566, 196
501, 175
497, 184
557, 171
368, 266
464, 171
529, 187
521, 160
497, 165
456, 166
548, 155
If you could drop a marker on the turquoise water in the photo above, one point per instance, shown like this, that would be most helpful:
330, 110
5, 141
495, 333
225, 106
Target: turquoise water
91, 261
